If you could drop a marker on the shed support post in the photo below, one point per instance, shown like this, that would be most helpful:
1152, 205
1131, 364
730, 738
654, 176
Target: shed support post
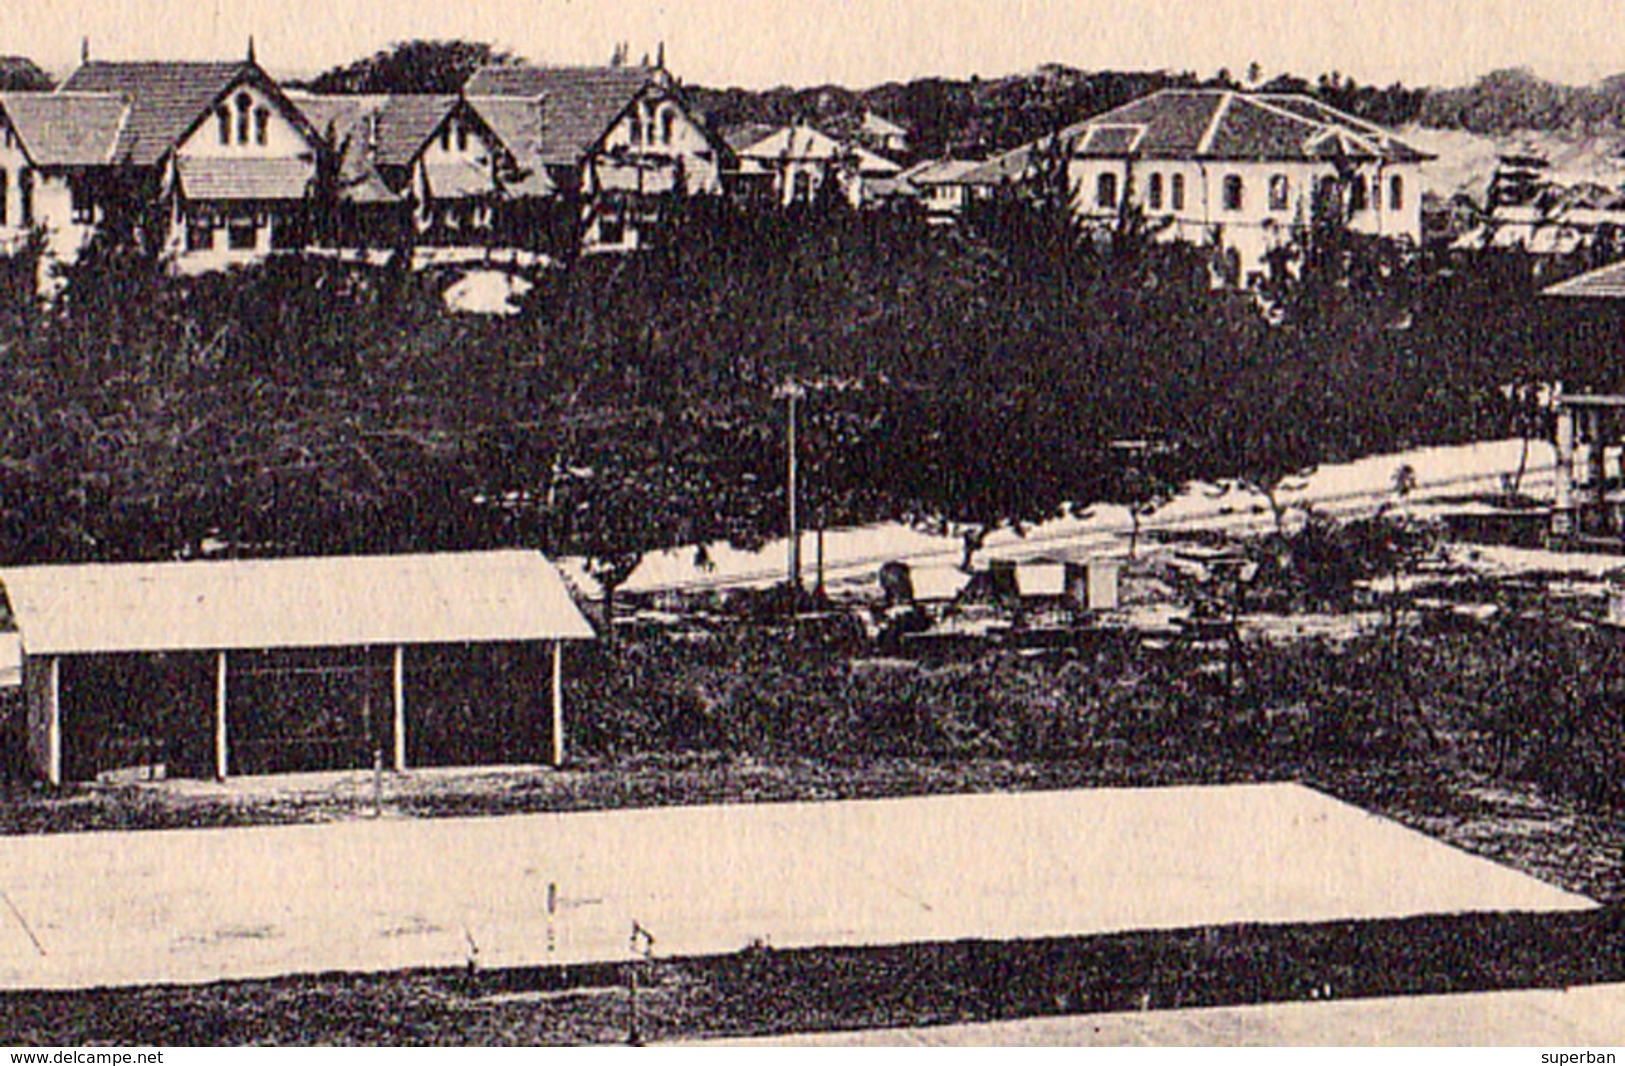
1563, 476
400, 708
558, 703
222, 753
53, 726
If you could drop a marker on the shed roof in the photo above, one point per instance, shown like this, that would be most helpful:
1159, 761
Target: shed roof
342, 601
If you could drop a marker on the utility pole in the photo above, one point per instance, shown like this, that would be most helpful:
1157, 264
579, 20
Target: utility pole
792, 392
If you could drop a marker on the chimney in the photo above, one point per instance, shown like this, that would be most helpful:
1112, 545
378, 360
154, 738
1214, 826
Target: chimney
251, 48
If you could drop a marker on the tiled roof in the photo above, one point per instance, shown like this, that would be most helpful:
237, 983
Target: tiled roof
881, 127
380, 135
578, 104
871, 163
795, 142
245, 179
1604, 283
166, 99
516, 121
1001, 169
405, 123
939, 172
66, 129
1221, 124
1309, 107
452, 180
737, 137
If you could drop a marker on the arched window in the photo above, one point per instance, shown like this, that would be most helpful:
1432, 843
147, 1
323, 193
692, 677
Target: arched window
668, 120
1280, 192
1153, 192
222, 119
1357, 195
462, 137
1396, 193
245, 107
262, 125
1234, 193
3, 190
637, 130
1176, 192
1106, 190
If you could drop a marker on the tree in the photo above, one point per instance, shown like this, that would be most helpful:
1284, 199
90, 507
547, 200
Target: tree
21, 74
412, 67
970, 463
670, 481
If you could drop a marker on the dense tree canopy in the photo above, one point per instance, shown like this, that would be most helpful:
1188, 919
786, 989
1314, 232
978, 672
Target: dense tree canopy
411, 67
967, 380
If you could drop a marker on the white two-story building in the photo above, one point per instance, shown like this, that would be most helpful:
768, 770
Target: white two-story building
1243, 172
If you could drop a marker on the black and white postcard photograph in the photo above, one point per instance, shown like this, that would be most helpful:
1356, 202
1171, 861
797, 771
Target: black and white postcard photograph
855, 523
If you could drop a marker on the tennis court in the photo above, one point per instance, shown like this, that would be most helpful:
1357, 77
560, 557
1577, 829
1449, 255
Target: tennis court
118, 908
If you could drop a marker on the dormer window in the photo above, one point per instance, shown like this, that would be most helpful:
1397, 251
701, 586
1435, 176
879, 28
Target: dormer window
462, 137
637, 130
667, 122
262, 125
245, 107
222, 119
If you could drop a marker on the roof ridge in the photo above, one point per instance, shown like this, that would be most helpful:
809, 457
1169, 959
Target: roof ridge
1205, 142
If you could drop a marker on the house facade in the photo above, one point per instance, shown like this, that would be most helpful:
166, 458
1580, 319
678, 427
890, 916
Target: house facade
612, 140
941, 189
408, 168
55, 150
214, 157
796, 163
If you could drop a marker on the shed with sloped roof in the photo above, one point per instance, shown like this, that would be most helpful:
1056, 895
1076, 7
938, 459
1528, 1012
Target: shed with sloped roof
267, 665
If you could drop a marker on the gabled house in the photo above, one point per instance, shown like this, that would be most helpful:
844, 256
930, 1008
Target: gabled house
55, 150
612, 139
214, 161
408, 167
941, 189
796, 162
883, 135
1247, 173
